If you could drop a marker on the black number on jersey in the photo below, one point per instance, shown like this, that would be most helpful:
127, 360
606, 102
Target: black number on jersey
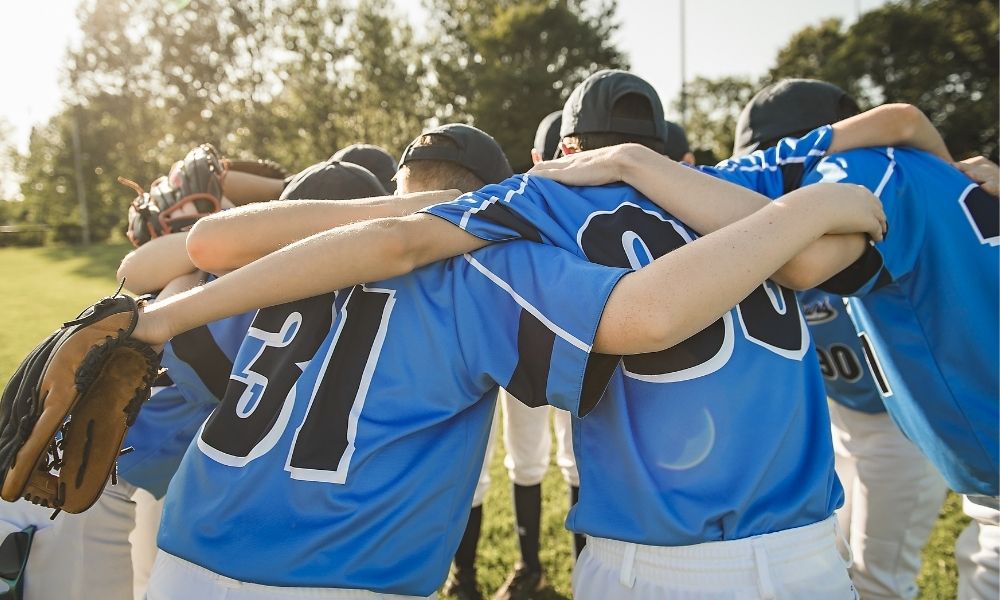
632, 237
983, 211
839, 362
261, 395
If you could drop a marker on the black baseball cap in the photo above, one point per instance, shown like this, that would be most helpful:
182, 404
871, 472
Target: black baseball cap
547, 135
789, 108
373, 158
676, 145
589, 107
474, 149
333, 180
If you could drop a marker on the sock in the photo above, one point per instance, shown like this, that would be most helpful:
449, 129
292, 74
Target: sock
527, 515
579, 540
465, 556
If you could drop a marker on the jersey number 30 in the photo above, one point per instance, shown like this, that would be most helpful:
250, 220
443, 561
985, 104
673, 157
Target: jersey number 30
263, 390
632, 237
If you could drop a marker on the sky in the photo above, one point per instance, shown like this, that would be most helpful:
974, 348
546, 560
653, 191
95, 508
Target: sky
724, 37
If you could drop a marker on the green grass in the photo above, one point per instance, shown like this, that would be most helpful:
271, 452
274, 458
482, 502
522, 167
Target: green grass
42, 287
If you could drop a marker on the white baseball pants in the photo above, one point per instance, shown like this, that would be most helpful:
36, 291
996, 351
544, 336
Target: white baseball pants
106, 552
526, 436
892, 497
791, 564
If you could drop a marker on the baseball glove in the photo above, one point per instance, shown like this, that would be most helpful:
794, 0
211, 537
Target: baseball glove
65, 411
191, 190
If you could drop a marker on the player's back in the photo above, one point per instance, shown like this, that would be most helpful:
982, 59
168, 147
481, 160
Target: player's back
725, 435
930, 330
841, 359
346, 451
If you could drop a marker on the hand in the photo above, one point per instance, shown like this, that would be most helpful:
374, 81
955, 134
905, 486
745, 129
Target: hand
848, 208
983, 171
593, 167
151, 329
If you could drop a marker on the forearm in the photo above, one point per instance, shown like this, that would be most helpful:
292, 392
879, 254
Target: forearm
703, 202
245, 188
707, 204
821, 260
889, 125
327, 261
684, 291
153, 265
234, 238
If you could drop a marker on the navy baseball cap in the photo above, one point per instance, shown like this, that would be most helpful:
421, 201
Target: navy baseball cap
333, 180
676, 145
474, 150
373, 158
547, 135
589, 107
790, 107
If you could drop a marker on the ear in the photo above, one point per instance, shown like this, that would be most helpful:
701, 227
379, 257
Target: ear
536, 156
566, 150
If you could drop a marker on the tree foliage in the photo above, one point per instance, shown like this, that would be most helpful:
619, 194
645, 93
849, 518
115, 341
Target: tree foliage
940, 55
503, 65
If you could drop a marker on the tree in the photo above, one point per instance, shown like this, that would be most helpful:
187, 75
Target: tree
505, 64
713, 107
940, 55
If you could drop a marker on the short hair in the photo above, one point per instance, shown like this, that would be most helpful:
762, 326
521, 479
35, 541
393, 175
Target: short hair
438, 174
630, 106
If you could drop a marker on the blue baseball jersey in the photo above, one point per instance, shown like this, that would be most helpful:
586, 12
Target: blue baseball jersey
197, 366
928, 326
841, 360
349, 443
723, 436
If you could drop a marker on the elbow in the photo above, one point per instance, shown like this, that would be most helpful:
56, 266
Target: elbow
125, 271
907, 118
202, 247
799, 275
401, 246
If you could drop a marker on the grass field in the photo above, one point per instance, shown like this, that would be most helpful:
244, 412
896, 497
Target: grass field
41, 287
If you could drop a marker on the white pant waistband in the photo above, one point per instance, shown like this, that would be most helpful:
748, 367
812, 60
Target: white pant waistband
735, 563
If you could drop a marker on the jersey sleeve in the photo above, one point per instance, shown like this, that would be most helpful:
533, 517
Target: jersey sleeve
777, 170
519, 208
876, 170
528, 314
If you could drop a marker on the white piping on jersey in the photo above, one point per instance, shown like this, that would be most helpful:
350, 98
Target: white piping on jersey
759, 154
888, 172
507, 197
565, 335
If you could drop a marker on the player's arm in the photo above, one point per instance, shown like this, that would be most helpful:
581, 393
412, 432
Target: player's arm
330, 260
683, 291
704, 203
889, 125
231, 239
156, 263
245, 188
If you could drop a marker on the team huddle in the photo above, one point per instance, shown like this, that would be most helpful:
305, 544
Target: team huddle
765, 374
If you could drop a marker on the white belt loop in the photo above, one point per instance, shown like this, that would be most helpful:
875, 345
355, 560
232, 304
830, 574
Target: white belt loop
626, 576
849, 561
764, 584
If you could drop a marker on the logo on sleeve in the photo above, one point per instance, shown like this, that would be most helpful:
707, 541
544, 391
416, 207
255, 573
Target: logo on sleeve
832, 170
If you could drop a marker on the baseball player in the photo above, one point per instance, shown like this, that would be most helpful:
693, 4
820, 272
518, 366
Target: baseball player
949, 410
108, 551
528, 443
677, 146
375, 527
373, 158
892, 494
